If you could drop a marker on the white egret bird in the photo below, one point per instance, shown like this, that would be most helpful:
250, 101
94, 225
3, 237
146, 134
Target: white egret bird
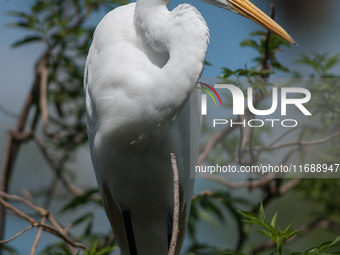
143, 65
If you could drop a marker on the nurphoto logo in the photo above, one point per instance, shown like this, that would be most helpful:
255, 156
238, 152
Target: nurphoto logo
294, 96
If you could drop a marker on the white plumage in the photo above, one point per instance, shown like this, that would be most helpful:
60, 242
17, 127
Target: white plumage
142, 68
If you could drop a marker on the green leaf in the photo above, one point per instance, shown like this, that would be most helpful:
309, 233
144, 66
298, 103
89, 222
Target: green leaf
278, 227
325, 245
267, 233
318, 252
250, 43
82, 218
18, 14
80, 200
227, 72
270, 229
278, 242
254, 219
292, 233
106, 250
203, 214
273, 221
94, 247
250, 215
20, 24
336, 241
88, 229
10, 250
208, 204
287, 228
263, 216
242, 72
332, 61
313, 249
27, 39
258, 33
67, 251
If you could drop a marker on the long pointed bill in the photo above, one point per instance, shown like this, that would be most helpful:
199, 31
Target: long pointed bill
250, 11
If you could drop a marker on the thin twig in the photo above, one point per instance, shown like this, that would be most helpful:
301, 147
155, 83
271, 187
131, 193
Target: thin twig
43, 71
18, 212
58, 171
202, 193
173, 243
278, 139
55, 223
38, 209
289, 185
37, 237
13, 145
56, 230
210, 144
265, 65
15, 236
300, 143
239, 185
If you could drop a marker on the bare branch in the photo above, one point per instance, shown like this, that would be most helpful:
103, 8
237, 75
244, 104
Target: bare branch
321, 155
265, 59
37, 237
238, 185
278, 139
18, 212
38, 209
210, 144
52, 229
15, 236
13, 145
58, 171
173, 243
300, 143
202, 193
55, 223
289, 185
43, 72
22, 137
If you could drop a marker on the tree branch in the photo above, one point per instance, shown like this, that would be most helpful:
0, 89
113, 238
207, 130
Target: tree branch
175, 229
211, 143
54, 229
239, 185
58, 171
300, 143
37, 237
17, 235
13, 145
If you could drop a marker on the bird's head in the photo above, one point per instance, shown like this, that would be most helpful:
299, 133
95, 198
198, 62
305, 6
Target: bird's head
250, 11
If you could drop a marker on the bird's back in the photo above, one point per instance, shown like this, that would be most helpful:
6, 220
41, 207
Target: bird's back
131, 158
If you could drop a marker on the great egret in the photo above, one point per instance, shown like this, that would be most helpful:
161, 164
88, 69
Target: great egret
143, 66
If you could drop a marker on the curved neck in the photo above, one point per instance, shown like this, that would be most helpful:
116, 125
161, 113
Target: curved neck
184, 35
150, 19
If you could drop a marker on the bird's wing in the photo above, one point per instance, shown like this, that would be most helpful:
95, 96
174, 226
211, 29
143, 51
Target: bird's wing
119, 66
118, 63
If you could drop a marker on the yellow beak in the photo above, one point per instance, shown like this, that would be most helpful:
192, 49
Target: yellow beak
250, 11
